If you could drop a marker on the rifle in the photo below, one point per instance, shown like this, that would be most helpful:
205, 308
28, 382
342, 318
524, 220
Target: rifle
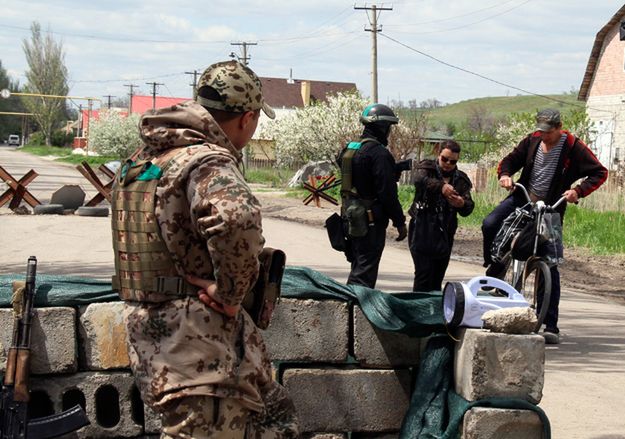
14, 423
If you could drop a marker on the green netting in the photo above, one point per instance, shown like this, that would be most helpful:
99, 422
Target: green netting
435, 411
57, 290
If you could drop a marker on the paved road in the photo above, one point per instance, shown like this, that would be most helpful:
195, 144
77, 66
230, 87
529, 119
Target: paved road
584, 393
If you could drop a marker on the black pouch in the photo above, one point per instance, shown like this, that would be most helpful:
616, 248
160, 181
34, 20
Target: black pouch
261, 300
336, 233
357, 219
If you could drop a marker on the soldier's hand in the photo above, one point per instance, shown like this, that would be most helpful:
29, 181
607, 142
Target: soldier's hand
206, 294
506, 182
402, 232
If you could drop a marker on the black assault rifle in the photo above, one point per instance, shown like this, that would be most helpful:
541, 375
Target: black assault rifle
14, 422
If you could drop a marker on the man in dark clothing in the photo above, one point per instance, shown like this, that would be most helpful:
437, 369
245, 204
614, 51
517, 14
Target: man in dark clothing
369, 193
551, 160
442, 191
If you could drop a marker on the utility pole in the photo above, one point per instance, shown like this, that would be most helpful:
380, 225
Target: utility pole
131, 94
195, 74
154, 85
80, 120
242, 59
374, 42
108, 98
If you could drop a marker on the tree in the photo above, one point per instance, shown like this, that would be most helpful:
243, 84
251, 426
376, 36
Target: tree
47, 75
9, 124
316, 132
115, 135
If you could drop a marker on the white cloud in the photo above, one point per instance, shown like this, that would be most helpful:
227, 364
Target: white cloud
540, 46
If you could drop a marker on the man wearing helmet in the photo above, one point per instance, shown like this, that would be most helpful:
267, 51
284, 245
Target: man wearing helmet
369, 194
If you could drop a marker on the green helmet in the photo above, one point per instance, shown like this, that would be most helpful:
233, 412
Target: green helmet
378, 113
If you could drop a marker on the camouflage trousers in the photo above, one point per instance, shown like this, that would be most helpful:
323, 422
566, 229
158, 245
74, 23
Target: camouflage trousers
200, 417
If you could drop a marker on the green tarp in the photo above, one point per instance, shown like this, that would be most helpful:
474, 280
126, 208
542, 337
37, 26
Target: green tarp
436, 410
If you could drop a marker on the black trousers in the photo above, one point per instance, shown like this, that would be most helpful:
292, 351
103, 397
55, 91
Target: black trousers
428, 272
367, 252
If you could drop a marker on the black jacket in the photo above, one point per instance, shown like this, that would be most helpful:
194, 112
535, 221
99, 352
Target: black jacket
429, 182
576, 161
375, 178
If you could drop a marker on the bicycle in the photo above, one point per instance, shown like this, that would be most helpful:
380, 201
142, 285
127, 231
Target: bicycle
530, 275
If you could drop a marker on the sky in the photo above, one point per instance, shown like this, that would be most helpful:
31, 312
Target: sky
426, 48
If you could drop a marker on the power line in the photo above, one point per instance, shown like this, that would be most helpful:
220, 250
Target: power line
154, 85
468, 24
477, 11
245, 58
374, 29
108, 98
479, 75
130, 95
195, 74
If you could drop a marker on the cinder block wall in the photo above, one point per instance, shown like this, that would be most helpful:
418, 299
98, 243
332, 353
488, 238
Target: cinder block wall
344, 375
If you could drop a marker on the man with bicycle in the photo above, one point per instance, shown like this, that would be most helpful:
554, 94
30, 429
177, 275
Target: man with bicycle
551, 160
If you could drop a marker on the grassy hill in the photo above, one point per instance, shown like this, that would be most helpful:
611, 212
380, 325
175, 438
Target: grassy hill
497, 107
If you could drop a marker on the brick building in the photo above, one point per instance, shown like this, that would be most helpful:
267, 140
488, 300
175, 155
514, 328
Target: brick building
603, 89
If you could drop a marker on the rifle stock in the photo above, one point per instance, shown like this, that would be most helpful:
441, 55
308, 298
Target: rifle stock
14, 423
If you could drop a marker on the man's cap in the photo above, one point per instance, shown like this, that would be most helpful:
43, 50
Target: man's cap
547, 119
238, 86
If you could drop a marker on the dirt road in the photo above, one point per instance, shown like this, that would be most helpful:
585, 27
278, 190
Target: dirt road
584, 391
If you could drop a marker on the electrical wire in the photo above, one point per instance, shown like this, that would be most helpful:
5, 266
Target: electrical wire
468, 24
479, 75
477, 11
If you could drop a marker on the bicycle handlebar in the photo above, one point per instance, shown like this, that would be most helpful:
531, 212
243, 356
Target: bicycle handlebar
529, 200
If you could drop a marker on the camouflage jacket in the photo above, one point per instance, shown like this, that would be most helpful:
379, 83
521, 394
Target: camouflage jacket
211, 224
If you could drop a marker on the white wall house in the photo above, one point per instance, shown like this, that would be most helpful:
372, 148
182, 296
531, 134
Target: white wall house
603, 89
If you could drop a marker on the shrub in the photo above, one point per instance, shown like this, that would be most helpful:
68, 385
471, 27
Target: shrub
61, 138
37, 138
115, 135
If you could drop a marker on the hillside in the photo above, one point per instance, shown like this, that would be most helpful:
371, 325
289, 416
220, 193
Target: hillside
497, 107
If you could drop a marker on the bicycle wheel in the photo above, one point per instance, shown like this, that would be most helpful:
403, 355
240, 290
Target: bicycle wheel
510, 273
537, 289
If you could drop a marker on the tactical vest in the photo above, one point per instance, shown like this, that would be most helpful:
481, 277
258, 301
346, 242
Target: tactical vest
355, 210
144, 268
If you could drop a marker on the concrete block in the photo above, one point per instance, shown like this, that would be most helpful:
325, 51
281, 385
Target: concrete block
111, 401
53, 339
376, 348
490, 423
331, 400
309, 330
488, 364
102, 344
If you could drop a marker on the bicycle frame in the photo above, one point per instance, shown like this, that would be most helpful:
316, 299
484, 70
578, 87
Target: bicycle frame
537, 210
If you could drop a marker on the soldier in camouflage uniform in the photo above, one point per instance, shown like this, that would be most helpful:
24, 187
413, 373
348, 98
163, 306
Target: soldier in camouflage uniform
187, 236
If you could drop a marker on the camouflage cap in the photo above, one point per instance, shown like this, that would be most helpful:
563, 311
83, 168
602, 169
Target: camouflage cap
239, 88
547, 119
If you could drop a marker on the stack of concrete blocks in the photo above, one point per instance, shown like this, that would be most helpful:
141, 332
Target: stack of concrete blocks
344, 375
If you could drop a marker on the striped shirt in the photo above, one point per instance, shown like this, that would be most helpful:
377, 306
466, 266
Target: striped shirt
545, 164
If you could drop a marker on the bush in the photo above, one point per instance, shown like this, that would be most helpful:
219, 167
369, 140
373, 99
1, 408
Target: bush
115, 135
61, 138
37, 138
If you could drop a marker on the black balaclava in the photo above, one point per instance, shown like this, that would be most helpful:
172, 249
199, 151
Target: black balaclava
377, 130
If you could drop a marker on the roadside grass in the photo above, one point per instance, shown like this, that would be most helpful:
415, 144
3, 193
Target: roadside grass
273, 177
65, 155
599, 231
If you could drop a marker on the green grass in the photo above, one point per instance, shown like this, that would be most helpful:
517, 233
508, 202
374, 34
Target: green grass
270, 176
600, 232
65, 155
497, 107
